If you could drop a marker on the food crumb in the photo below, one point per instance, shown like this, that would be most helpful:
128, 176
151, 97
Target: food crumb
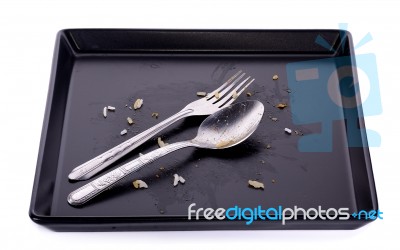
126, 105
178, 179
123, 132
201, 93
157, 176
268, 146
274, 119
130, 121
155, 115
161, 143
139, 184
249, 94
161, 168
235, 95
275, 77
162, 212
111, 108
298, 132
130, 108
256, 184
288, 131
281, 105
262, 161
216, 94
105, 112
273, 181
138, 104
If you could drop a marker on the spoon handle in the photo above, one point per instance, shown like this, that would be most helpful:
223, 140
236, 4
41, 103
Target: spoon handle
106, 181
100, 162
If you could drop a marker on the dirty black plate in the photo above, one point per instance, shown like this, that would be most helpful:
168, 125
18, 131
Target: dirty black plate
324, 162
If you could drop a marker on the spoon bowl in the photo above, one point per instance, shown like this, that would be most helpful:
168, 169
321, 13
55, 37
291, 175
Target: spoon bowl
229, 126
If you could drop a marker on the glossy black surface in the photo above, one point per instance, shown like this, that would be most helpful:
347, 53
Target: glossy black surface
97, 68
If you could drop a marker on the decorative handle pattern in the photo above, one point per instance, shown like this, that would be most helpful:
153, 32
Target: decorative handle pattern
97, 186
95, 165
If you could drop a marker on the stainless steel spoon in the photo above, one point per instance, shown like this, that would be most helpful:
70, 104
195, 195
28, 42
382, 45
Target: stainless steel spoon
223, 129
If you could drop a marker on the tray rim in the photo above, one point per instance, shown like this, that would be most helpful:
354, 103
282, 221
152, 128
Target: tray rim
73, 223
67, 33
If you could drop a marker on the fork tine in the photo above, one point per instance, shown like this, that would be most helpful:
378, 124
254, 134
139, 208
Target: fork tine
229, 102
228, 96
225, 91
211, 94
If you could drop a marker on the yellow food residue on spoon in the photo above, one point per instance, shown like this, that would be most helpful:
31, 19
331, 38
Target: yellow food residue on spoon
223, 144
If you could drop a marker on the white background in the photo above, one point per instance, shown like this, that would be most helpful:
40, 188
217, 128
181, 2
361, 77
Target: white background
27, 36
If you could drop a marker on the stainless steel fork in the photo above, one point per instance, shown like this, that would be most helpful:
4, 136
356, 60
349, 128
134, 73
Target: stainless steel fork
212, 102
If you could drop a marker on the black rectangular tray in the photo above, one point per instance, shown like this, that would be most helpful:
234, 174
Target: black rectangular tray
95, 68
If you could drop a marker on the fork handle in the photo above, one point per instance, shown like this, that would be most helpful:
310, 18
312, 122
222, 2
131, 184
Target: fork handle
100, 162
106, 181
